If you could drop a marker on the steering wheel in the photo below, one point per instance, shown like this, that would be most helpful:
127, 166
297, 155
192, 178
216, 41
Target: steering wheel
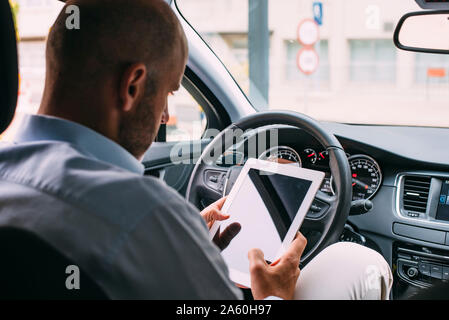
208, 181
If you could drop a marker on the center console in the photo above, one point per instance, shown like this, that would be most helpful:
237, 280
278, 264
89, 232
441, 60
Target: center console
418, 267
442, 212
422, 206
423, 197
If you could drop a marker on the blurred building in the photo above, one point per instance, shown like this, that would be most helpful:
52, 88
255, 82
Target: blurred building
361, 77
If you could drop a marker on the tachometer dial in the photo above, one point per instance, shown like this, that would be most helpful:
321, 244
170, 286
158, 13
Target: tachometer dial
366, 176
311, 155
322, 158
277, 154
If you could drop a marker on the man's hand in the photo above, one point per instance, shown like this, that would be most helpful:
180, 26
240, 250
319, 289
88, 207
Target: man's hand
213, 213
279, 278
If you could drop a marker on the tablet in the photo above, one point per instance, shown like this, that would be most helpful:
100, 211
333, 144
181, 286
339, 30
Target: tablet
269, 200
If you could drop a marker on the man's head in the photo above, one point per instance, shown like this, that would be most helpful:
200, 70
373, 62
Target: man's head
114, 73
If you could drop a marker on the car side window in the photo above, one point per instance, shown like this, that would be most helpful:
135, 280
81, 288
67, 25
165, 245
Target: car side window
187, 118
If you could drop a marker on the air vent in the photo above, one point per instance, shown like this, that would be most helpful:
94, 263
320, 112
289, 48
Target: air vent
415, 193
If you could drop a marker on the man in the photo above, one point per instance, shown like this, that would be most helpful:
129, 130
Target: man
74, 178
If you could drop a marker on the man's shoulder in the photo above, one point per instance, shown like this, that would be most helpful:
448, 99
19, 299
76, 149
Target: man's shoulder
63, 171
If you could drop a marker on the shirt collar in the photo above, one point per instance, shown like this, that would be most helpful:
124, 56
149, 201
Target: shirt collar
91, 143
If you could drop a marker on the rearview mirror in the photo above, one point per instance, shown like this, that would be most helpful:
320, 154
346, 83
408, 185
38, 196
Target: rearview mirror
423, 31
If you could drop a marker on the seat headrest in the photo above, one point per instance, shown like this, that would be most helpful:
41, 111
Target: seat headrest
8, 66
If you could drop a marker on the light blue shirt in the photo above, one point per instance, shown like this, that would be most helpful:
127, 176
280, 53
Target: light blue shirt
87, 196
46, 128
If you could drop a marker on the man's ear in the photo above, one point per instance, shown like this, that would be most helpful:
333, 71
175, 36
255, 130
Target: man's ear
132, 85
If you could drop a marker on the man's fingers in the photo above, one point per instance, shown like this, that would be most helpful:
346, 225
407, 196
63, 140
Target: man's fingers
295, 251
209, 224
218, 204
213, 211
212, 215
298, 245
216, 238
227, 235
257, 262
217, 215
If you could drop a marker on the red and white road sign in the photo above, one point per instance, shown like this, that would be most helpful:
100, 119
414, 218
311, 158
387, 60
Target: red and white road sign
307, 60
308, 32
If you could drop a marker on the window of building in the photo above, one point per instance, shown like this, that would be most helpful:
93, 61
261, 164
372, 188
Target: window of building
431, 68
372, 60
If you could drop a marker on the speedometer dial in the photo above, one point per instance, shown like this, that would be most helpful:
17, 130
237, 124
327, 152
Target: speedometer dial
279, 153
366, 176
310, 155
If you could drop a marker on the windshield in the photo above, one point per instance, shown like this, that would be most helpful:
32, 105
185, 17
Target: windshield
332, 60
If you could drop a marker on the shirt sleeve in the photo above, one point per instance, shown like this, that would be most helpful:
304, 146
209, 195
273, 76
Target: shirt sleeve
170, 256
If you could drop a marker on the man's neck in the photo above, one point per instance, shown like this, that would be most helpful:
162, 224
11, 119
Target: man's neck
86, 116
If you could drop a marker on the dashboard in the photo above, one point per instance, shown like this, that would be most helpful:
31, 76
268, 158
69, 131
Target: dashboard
366, 172
306, 153
406, 170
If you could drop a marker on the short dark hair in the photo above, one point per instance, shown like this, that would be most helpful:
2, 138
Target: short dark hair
112, 35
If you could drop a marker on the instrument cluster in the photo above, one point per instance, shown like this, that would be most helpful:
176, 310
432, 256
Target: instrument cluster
366, 172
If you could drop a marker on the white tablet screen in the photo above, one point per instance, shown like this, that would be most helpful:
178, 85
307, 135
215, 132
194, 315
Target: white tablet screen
265, 206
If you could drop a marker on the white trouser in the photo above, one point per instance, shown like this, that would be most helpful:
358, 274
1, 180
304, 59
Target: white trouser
345, 271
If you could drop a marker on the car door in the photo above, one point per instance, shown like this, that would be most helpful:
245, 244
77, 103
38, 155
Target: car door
210, 100
179, 143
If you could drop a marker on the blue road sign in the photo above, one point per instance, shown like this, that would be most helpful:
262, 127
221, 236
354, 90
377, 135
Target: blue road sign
318, 12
